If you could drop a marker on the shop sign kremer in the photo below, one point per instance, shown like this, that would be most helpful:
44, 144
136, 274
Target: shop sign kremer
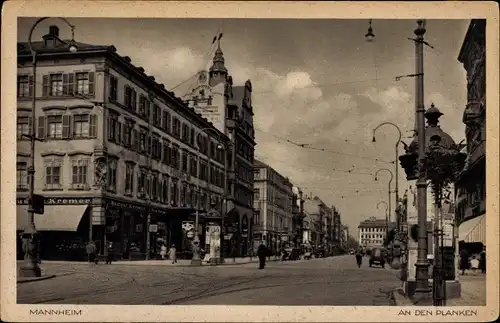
59, 200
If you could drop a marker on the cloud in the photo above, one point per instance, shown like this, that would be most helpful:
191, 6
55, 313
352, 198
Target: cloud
295, 108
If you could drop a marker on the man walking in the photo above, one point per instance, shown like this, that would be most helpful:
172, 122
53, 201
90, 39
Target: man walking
262, 253
482, 260
91, 251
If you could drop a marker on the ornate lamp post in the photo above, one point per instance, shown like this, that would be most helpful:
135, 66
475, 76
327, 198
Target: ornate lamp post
389, 200
196, 260
416, 156
442, 164
30, 235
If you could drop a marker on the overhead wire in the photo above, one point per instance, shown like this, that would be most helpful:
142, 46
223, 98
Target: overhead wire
310, 147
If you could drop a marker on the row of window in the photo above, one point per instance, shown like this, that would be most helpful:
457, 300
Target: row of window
53, 176
62, 126
245, 150
370, 242
244, 173
162, 119
58, 84
83, 83
372, 236
244, 197
372, 230
145, 185
162, 150
157, 187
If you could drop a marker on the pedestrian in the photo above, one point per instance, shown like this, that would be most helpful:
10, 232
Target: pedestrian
482, 260
474, 264
91, 249
359, 256
464, 260
109, 252
163, 251
262, 253
172, 254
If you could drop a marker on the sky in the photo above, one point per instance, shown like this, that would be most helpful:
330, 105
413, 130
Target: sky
315, 82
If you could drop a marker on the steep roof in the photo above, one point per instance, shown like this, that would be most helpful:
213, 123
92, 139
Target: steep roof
258, 164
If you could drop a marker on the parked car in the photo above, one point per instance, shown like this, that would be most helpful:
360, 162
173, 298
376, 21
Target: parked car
377, 257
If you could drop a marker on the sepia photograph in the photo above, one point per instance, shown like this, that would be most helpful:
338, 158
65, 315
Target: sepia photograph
263, 161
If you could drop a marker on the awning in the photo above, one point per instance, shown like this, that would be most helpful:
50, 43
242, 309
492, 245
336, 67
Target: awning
55, 217
473, 230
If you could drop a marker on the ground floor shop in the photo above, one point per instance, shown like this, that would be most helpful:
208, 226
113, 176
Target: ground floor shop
238, 232
68, 223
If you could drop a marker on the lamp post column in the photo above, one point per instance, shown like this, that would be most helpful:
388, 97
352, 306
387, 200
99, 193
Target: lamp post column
30, 237
422, 264
196, 260
224, 211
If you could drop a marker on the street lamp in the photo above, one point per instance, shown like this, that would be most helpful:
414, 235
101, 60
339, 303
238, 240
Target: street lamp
370, 36
196, 260
386, 214
389, 200
30, 236
396, 190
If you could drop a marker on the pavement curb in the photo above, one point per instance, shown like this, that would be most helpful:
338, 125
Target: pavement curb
400, 299
125, 263
34, 279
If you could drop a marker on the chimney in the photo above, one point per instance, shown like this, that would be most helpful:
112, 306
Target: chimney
54, 31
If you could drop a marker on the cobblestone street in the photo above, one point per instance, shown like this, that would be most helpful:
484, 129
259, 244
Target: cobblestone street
330, 281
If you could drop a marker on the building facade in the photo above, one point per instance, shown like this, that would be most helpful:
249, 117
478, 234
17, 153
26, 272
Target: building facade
273, 207
298, 215
118, 159
372, 232
321, 221
470, 189
229, 109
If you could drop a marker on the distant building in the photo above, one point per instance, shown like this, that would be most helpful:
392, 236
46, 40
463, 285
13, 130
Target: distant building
118, 157
298, 215
470, 189
372, 232
321, 222
273, 207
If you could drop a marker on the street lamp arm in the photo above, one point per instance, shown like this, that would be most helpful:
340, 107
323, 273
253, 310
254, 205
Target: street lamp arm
391, 124
30, 44
382, 202
385, 169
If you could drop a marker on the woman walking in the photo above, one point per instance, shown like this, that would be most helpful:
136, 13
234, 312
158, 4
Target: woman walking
172, 254
163, 251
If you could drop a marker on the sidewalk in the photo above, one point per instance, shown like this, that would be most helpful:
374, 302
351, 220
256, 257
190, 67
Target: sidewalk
472, 292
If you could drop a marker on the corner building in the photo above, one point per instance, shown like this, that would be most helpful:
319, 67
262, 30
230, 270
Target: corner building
118, 160
229, 108
273, 207
470, 189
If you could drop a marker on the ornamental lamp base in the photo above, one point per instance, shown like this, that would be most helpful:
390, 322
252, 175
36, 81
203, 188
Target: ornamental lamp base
196, 262
30, 271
